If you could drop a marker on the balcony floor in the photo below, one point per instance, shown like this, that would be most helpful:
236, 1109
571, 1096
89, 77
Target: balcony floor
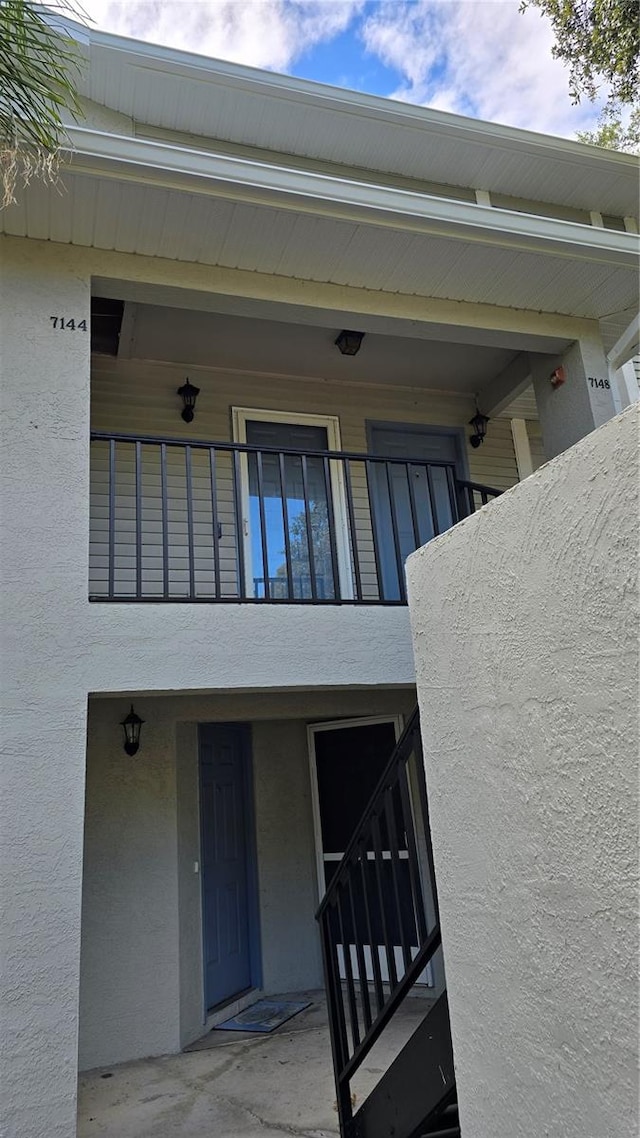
242, 1087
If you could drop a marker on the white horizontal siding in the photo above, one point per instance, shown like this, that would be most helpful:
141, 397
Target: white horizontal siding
139, 397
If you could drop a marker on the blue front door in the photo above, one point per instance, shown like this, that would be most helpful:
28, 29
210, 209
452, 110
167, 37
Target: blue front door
224, 789
415, 497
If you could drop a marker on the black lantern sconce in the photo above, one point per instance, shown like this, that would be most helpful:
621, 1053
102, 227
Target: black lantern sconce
131, 726
188, 393
349, 342
479, 424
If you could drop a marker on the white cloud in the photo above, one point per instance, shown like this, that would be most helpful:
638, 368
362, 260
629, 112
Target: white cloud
261, 33
476, 57
481, 58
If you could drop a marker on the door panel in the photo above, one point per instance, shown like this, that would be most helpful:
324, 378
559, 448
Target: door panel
225, 877
412, 493
284, 505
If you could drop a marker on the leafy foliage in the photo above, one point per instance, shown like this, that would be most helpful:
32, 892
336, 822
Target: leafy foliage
600, 42
39, 64
614, 133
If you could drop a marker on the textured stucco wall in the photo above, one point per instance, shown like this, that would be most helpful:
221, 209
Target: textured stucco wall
44, 423
129, 979
525, 629
141, 961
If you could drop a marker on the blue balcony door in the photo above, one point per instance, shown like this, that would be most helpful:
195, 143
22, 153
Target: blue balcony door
228, 902
396, 487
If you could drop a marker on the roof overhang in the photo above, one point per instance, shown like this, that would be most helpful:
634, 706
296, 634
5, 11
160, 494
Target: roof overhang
216, 99
131, 160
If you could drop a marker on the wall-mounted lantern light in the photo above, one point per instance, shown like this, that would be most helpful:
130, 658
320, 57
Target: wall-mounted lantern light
479, 424
188, 393
131, 726
349, 342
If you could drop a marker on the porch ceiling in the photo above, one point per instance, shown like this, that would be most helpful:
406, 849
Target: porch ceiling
372, 250
267, 346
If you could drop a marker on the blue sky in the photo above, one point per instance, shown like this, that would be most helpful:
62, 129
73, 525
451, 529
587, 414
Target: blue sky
481, 58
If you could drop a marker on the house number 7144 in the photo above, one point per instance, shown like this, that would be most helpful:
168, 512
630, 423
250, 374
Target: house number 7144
65, 324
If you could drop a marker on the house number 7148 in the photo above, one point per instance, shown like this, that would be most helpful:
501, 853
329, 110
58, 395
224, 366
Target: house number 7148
65, 324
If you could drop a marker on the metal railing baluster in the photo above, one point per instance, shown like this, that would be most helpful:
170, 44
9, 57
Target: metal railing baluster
309, 528
348, 972
190, 541
331, 522
353, 533
362, 964
285, 523
237, 501
375, 957
111, 569
263, 527
138, 470
435, 521
214, 521
164, 520
396, 534
381, 888
369, 470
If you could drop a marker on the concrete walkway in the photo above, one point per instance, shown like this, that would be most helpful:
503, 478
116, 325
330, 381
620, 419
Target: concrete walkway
242, 1086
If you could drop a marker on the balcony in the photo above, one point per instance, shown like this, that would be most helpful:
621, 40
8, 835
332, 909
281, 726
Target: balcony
221, 522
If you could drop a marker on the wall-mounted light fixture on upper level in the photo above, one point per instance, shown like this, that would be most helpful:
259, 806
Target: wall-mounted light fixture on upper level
479, 424
131, 726
349, 342
188, 393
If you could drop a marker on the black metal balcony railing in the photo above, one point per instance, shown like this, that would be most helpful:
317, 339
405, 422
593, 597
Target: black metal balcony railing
202, 521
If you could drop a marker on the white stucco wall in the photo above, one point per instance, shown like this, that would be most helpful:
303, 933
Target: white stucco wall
525, 628
141, 962
44, 423
571, 410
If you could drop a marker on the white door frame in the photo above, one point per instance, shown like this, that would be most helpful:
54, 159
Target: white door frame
331, 423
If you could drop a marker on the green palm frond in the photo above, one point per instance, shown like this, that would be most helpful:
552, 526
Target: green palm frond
39, 69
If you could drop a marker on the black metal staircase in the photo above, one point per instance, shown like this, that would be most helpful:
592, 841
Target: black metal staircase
381, 942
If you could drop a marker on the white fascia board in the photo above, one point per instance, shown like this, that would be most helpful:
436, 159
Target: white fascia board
626, 346
194, 171
218, 72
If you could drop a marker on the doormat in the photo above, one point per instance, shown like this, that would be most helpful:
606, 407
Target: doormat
264, 1016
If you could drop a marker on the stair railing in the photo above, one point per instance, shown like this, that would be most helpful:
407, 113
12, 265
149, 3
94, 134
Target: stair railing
380, 930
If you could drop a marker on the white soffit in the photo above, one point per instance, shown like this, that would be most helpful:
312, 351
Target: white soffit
133, 217
185, 92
